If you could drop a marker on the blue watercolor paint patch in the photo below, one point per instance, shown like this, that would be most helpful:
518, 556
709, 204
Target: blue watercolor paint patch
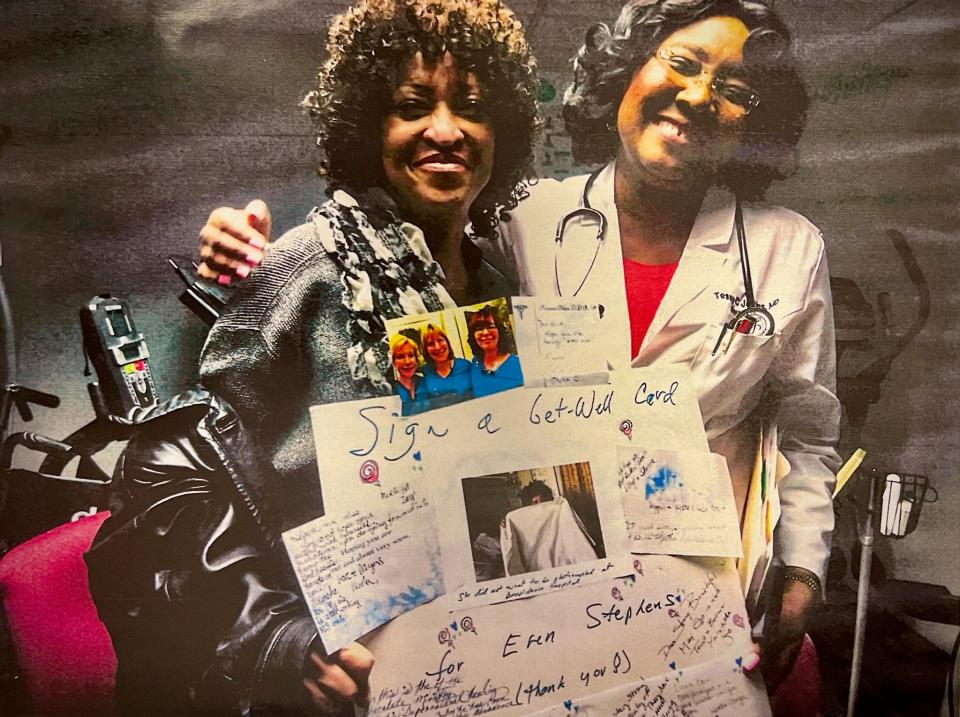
739, 662
662, 480
673, 665
568, 703
413, 597
416, 456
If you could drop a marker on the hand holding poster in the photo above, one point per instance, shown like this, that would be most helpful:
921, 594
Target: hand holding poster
532, 486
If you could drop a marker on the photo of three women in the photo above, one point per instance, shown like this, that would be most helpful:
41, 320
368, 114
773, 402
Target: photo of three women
429, 373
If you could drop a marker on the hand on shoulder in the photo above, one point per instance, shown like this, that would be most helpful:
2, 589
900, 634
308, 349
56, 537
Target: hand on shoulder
233, 241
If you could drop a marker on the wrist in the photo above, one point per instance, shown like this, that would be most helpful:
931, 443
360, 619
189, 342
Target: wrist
795, 574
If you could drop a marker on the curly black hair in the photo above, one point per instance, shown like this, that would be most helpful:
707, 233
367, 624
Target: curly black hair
369, 43
535, 488
607, 61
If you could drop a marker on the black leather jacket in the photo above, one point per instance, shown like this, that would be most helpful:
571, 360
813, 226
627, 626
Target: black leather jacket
191, 577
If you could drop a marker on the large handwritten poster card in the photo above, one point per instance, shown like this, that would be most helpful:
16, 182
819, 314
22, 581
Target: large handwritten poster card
523, 491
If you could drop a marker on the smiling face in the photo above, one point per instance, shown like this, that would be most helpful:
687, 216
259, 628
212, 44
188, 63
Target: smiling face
676, 129
438, 143
487, 335
436, 347
405, 361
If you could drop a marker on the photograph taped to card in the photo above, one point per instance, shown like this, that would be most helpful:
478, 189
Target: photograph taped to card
446, 357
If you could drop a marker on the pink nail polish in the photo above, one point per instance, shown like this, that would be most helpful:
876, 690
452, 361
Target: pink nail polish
257, 242
253, 257
751, 662
242, 271
224, 279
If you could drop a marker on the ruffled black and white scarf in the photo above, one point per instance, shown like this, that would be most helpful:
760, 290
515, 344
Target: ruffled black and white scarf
387, 271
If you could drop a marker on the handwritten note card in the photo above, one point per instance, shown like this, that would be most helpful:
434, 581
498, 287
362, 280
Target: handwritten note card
560, 341
718, 687
518, 658
678, 503
359, 570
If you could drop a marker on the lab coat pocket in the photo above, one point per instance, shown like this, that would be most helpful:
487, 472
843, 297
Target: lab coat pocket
731, 378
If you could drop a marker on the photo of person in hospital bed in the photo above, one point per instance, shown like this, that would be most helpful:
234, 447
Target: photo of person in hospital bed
532, 519
544, 533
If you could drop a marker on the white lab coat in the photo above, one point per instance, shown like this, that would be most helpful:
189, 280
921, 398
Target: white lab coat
797, 362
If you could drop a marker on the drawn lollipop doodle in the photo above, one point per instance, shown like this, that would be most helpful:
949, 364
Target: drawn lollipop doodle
616, 594
626, 428
466, 624
369, 472
738, 620
444, 637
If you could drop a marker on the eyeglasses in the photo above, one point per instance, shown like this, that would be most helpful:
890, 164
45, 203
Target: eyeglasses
739, 96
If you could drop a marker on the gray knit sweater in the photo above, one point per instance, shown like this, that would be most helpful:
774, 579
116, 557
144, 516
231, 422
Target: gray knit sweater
281, 346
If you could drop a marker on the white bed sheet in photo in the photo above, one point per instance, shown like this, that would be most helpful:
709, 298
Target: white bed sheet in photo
511, 453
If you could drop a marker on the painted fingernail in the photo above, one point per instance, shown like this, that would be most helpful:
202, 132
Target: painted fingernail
257, 242
253, 257
242, 271
224, 279
750, 662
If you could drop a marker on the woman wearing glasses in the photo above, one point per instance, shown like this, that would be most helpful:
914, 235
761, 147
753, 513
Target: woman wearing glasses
695, 107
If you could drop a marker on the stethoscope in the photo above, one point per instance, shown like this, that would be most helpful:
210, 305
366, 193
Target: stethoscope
753, 320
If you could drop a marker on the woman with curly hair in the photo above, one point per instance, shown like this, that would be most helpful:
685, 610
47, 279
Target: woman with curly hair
692, 108
426, 119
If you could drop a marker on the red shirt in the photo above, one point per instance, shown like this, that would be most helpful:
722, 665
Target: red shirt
646, 284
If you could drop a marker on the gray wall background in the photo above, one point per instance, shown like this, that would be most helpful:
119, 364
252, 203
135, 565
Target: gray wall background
129, 121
